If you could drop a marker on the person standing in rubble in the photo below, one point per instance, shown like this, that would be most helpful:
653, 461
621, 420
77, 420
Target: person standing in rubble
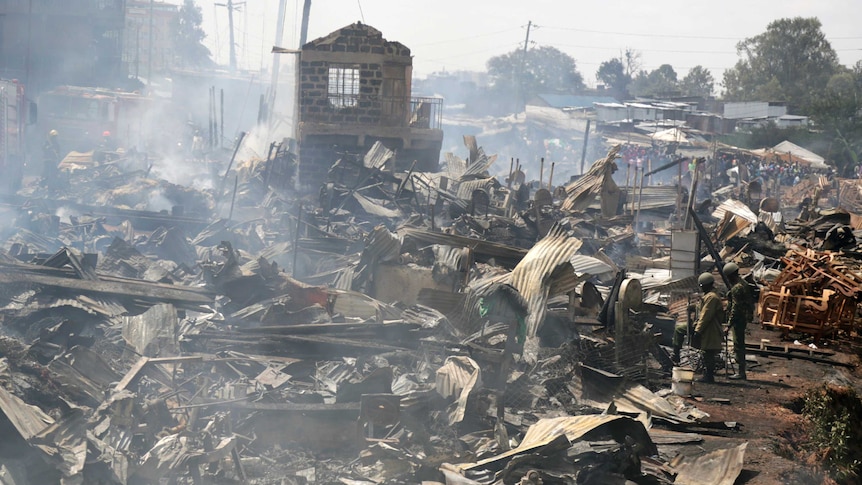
740, 310
707, 329
680, 331
51, 158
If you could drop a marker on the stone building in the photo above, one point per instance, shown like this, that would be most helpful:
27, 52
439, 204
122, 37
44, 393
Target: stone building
355, 89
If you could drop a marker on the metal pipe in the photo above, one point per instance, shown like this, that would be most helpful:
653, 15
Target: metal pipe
551, 177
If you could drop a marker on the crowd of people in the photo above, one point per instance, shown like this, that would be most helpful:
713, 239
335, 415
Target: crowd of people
726, 167
786, 173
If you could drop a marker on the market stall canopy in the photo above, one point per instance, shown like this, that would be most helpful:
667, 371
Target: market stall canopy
793, 153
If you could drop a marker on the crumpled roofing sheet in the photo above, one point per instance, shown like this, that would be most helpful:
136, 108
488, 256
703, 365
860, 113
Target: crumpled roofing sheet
581, 193
720, 467
574, 428
532, 276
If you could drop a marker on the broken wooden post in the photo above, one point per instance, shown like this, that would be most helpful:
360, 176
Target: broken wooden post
541, 172
296, 237
233, 198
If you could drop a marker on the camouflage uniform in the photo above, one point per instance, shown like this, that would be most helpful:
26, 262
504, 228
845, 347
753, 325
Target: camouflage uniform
740, 310
708, 325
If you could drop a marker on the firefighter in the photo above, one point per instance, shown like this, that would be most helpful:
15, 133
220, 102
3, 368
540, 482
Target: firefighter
51, 159
107, 144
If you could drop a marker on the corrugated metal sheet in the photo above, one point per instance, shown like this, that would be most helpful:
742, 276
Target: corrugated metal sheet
581, 193
736, 219
458, 377
531, 277
375, 207
720, 467
736, 208
653, 197
589, 265
382, 245
574, 428
466, 188
28, 420
455, 166
505, 255
479, 166
377, 156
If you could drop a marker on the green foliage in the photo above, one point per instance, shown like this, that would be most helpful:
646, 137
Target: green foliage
662, 80
541, 70
837, 112
698, 82
834, 414
791, 61
613, 74
189, 36
617, 73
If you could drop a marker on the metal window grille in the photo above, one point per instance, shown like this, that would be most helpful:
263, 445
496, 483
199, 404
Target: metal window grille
343, 86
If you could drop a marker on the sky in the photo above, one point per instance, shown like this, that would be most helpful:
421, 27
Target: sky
453, 35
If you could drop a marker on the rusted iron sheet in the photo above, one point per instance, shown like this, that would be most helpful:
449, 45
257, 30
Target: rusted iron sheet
720, 467
581, 193
532, 276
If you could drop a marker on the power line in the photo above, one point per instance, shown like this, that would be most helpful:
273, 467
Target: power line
669, 36
359, 2
488, 34
465, 54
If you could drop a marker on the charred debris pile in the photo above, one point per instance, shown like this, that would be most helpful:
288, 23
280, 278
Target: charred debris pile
397, 327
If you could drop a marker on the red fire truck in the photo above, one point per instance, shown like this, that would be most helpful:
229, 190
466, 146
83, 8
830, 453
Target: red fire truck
82, 114
16, 113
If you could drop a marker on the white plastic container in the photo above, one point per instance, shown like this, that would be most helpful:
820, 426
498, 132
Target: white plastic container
683, 374
681, 388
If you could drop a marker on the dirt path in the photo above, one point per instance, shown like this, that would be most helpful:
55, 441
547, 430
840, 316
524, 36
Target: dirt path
767, 408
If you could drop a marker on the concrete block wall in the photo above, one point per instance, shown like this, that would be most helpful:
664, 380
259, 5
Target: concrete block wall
356, 46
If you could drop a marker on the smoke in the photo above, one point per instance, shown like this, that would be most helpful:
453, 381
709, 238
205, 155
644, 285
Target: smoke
66, 213
189, 172
156, 201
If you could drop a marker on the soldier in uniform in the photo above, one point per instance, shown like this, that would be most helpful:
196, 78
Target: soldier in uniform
740, 309
707, 329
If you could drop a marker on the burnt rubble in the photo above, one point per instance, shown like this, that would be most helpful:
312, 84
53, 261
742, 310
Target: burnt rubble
397, 327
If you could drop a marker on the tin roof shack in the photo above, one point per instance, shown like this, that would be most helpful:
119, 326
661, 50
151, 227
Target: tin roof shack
355, 89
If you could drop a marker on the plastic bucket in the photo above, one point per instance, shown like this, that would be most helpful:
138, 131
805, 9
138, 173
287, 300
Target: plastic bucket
683, 374
681, 388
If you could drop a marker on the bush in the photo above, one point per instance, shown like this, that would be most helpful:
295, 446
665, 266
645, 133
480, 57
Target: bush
834, 413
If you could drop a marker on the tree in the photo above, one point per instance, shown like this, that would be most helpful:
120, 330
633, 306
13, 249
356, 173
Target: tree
612, 74
188, 37
542, 70
662, 80
837, 113
698, 82
792, 58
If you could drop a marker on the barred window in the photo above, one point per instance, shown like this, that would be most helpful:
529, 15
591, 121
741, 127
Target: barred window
343, 85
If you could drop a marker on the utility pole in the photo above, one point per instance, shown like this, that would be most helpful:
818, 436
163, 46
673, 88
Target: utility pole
150, 55
232, 42
303, 33
231, 6
276, 58
137, 50
521, 68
